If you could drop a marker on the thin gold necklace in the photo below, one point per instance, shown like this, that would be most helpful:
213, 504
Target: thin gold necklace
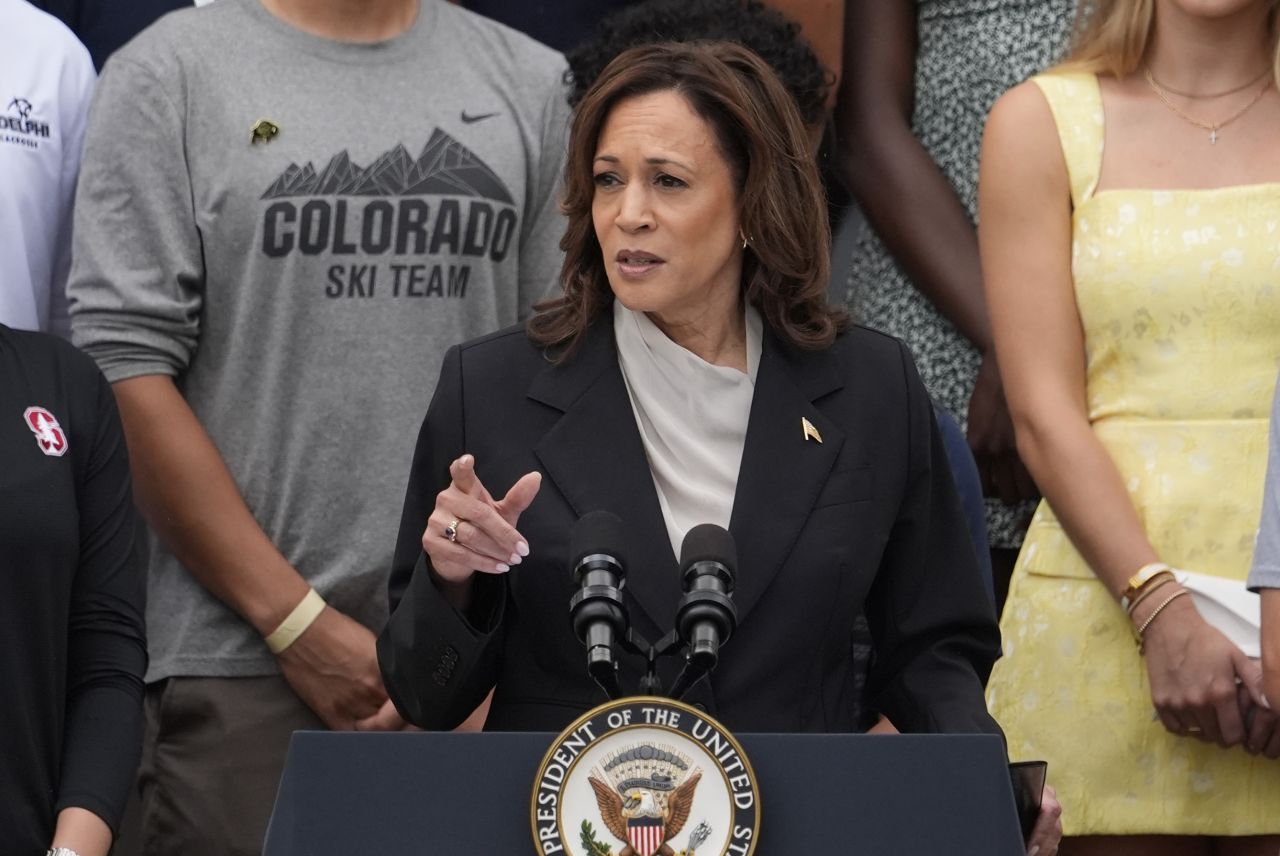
1207, 95
1212, 127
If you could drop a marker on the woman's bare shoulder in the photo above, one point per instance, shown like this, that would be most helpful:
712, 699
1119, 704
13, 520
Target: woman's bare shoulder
1021, 136
1021, 113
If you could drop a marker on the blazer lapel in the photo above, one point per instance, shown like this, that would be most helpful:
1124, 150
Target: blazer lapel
596, 460
783, 471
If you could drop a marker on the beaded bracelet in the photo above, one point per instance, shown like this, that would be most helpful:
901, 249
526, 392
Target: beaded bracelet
1152, 617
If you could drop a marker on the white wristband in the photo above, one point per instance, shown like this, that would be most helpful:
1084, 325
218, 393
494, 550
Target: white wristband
296, 623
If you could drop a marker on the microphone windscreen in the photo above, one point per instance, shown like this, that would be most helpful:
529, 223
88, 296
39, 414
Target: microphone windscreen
596, 532
709, 542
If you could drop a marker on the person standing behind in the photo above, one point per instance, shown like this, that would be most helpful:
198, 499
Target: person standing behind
288, 210
46, 81
71, 603
755, 25
569, 25
1132, 293
919, 78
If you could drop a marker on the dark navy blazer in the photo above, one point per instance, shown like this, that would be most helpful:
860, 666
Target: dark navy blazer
868, 519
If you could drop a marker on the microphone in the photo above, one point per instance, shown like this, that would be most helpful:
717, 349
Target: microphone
596, 610
706, 616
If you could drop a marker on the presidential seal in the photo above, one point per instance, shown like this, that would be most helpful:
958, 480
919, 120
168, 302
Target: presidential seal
645, 777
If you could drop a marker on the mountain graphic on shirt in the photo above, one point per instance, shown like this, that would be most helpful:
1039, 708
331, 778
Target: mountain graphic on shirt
445, 167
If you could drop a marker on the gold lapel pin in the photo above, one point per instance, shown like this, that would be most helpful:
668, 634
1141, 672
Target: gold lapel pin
263, 131
810, 433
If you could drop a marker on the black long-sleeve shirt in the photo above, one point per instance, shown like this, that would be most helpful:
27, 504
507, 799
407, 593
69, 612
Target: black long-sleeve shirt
72, 640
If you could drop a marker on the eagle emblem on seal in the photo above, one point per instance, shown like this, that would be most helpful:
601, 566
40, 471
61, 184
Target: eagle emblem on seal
645, 794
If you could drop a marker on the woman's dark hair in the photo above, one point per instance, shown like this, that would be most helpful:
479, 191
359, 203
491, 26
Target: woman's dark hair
770, 34
781, 207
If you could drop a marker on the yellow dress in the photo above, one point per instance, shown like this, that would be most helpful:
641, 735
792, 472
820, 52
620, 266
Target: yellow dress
1179, 298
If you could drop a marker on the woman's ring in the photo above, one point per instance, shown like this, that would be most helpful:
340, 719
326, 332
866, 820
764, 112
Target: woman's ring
451, 531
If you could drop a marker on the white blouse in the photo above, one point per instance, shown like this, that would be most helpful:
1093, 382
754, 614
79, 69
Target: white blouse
692, 417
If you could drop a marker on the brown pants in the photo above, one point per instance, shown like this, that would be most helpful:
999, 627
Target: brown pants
211, 762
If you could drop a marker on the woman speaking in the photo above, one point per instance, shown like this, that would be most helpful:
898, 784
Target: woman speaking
690, 373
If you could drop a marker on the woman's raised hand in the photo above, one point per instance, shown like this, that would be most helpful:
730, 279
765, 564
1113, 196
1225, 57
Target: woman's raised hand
469, 531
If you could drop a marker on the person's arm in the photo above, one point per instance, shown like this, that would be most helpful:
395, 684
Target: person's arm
439, 651
83, 831
136, 286
1025, 236
902, 192
186, 493
916, 213
932, 624
1271, 646
106, 639
935, 632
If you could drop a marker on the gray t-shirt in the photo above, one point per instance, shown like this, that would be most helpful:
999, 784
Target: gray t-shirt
1266, 553
302, 277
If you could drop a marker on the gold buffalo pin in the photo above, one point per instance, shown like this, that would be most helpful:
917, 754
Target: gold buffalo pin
263, 131
810, 433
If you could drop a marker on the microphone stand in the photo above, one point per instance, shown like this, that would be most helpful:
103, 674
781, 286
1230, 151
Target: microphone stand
634, 643
695, 668
651, 684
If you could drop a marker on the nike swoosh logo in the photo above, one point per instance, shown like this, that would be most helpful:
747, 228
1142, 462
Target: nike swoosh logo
469, 119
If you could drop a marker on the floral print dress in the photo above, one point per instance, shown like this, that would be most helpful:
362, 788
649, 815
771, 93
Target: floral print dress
1179, 299
969, 53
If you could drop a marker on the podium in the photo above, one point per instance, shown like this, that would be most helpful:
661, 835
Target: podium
450, 794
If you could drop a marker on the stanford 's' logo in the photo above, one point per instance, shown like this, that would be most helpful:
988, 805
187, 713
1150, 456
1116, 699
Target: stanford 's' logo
49, 434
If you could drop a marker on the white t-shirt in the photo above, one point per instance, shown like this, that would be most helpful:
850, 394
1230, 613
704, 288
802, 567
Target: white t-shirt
46, 81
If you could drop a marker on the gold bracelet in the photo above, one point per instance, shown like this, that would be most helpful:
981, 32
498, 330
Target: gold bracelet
296, 623
1147, 591
1152, 617
1140, 580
